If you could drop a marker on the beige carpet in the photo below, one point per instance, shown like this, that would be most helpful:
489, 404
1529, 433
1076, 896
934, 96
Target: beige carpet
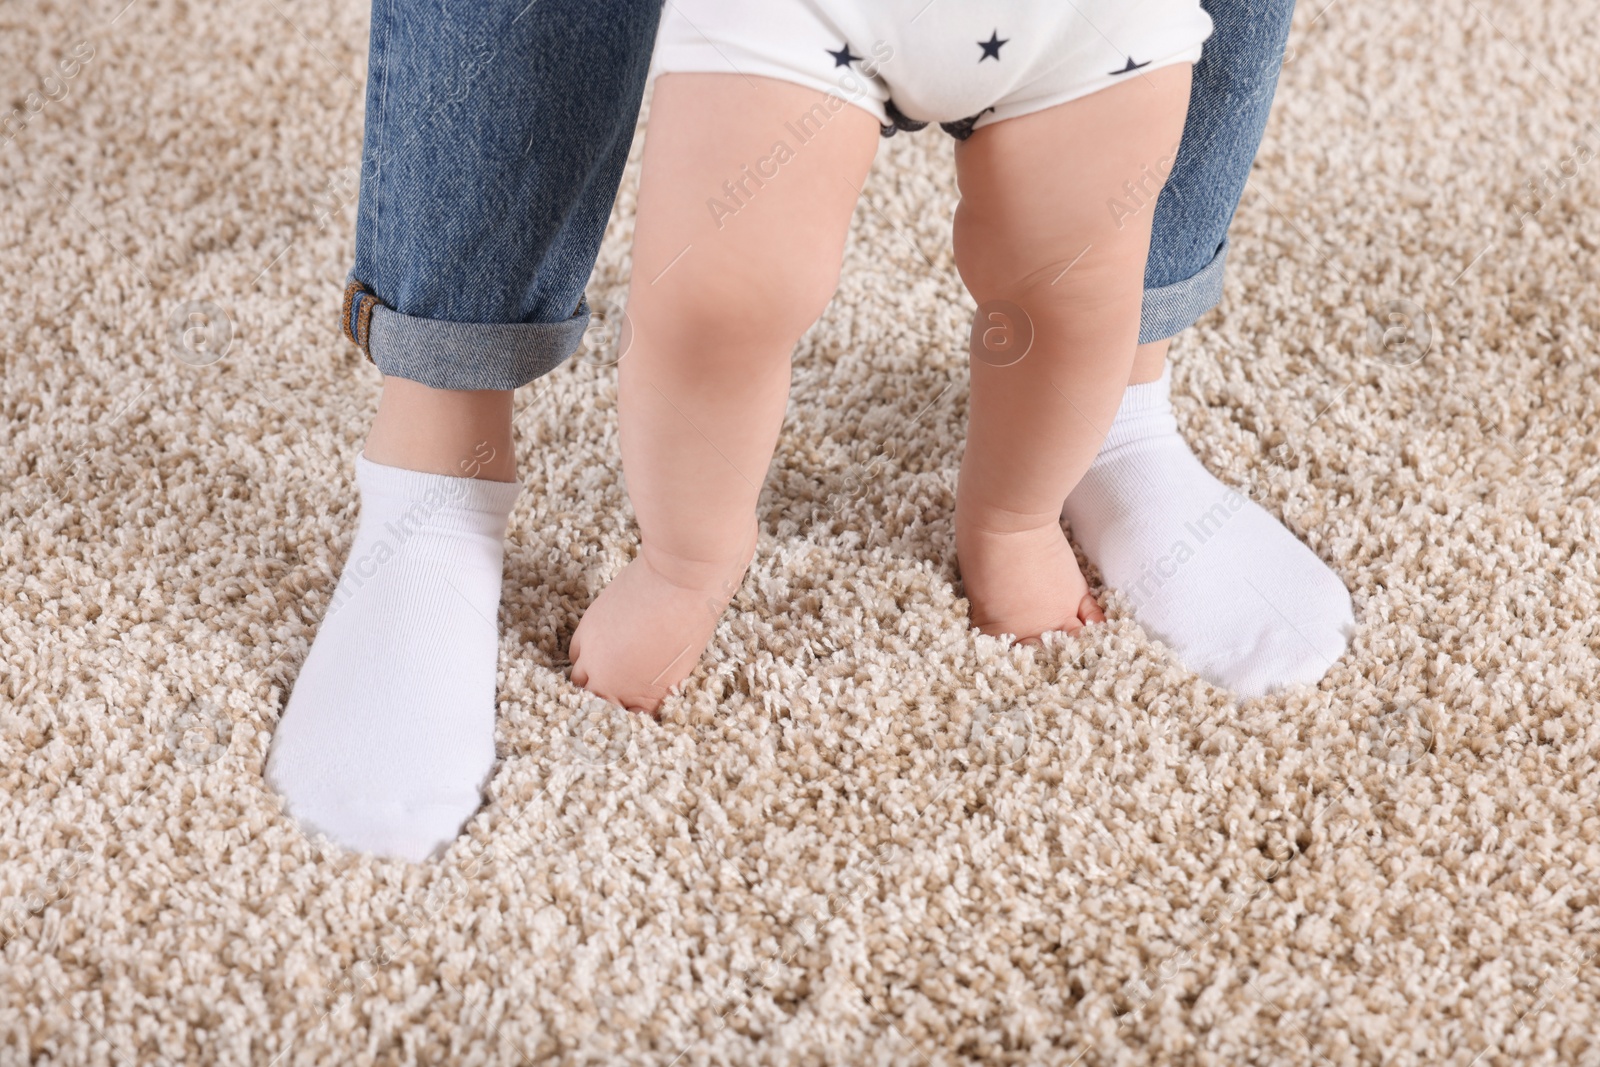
863, 835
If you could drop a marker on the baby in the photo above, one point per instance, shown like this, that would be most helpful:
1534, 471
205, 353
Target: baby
764, 122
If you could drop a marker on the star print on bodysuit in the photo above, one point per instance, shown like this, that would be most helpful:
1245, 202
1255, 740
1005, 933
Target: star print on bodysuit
842, 58
991, 47
1130, 68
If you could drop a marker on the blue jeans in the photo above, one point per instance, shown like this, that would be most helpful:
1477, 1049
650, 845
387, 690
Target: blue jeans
1228, 105
495, 139
496, 135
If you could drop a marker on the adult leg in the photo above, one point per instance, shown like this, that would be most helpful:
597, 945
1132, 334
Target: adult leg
495, 138
1033, 231
1236, 595
737, 246
1234, 83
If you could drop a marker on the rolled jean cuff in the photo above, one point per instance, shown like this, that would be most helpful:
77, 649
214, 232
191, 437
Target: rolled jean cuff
1170, 309
458, 355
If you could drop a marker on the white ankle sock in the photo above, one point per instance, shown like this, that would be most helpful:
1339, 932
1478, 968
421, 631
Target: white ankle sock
1234, 594
388, 736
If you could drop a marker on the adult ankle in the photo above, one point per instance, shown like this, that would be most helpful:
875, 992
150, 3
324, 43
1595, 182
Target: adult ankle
457, 433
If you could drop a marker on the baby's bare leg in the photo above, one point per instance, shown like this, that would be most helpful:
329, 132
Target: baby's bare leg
1036, 230
741, 228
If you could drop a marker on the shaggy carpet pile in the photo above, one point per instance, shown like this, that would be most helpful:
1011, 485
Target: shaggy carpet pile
863, 834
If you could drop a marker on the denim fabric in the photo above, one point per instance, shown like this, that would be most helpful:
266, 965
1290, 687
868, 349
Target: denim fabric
495, 140
1233, 87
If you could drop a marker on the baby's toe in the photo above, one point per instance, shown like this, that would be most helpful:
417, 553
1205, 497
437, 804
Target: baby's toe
1089, 610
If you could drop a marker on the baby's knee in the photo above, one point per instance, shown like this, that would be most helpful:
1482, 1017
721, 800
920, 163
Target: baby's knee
1008, 259
729, 308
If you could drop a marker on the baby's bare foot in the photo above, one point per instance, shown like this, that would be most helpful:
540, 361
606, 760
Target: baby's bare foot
1023, 582
646, 631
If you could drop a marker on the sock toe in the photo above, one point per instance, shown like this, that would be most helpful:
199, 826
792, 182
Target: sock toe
1299, 637
1279, 658
411, 829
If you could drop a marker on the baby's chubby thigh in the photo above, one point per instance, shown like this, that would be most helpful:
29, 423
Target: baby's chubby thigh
747, 190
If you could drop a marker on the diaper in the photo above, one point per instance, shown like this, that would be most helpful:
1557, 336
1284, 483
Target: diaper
959, 63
